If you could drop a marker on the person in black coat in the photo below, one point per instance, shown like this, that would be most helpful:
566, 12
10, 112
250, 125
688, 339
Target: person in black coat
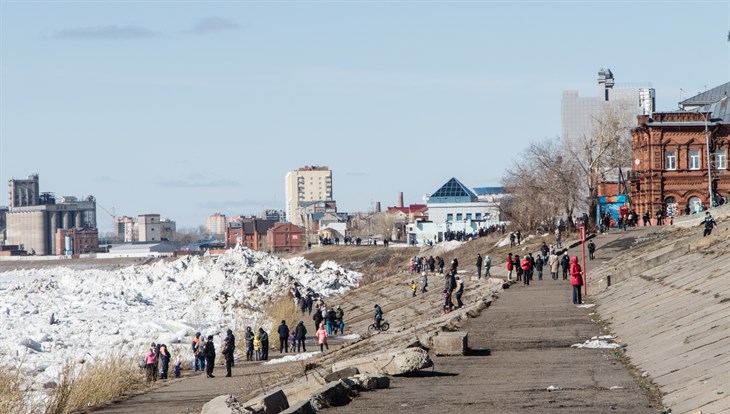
283, 337
317, 317
209, 356
565, 264
232, 340
264, 338
228, 354
300, 335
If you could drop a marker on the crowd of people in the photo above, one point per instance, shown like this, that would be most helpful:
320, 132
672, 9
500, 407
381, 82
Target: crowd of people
330, 320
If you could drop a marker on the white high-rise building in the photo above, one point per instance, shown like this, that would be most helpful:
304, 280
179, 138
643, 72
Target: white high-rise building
310, 183
579, 113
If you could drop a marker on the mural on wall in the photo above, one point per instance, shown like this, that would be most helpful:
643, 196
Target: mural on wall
612, 205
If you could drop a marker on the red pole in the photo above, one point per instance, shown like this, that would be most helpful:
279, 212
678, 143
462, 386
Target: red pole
585, 264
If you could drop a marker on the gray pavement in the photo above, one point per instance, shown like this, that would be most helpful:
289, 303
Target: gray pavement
521, 347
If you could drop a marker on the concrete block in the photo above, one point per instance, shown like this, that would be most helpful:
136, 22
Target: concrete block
224, 404
302, 407
334, 394
450, 343
343, 373
372, 381
271, 403
388, 363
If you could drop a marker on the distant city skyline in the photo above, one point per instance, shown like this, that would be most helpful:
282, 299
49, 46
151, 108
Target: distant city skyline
189, 109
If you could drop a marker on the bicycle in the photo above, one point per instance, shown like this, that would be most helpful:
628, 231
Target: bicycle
384, 326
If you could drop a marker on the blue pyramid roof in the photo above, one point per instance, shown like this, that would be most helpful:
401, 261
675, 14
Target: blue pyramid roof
453, 192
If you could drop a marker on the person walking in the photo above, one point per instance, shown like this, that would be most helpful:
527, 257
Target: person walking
554, 265
479, 265
317, 317
709, 224
591, 250
510, 267
526, 268
150, 360
459, 288
424, 282
227, 352
487, 266
565, 264
539, 262
557, 237
264, 338
454, 265
248, 338
209, 357
198, 355
576, 279
300, 335
283, 337
164, 361
517, 264
340, 319
321, 335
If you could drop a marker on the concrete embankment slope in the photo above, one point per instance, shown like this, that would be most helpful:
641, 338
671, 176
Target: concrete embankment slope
671, 306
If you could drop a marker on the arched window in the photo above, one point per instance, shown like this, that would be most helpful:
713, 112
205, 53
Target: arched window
670, 207
695, 205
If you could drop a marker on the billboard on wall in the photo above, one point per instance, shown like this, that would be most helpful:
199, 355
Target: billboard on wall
611, 204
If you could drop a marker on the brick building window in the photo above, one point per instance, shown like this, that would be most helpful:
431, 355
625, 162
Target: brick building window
670, 160
694, 159
720, 160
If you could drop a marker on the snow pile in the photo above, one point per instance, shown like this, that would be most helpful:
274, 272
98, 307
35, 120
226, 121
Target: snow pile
53, 315
439, 249
289, 358
597, 342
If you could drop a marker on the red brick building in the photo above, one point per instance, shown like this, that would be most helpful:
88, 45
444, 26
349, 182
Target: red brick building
670, 155
286, 238
248, 232
81, 240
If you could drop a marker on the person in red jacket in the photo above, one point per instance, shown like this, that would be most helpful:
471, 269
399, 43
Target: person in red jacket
576, 279
526, 268
509, 266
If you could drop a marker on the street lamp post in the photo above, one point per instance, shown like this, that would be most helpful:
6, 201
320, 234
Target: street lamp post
707, 146
709, 169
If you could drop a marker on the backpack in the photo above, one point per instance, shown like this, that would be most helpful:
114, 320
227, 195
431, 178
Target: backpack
200, 350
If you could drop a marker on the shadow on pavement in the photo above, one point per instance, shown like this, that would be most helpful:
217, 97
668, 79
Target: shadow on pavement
427, 374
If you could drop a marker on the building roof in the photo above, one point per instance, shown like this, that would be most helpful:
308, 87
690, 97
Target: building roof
261, 225
488, 190
715, 100
707, 97
453, 192
413, 208
143, 247
205, 244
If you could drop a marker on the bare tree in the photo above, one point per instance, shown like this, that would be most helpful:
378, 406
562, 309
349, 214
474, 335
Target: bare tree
543, 184
383, 225
606, 148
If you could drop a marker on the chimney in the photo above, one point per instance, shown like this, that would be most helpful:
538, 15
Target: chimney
377, 206
400, 199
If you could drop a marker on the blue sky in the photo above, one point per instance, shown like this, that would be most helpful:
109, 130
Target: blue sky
190, 108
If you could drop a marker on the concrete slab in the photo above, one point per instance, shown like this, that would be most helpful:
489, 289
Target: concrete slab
450, 343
